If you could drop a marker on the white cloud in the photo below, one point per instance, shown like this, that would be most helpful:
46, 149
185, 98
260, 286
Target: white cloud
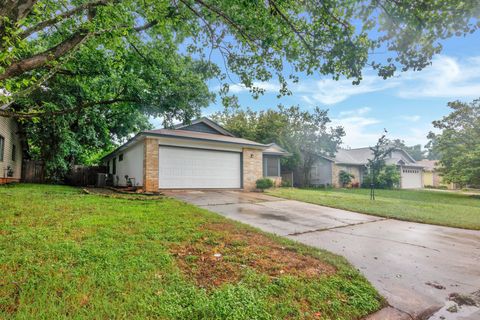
447, 77
358, 127
328, 91
271, 87
414, 118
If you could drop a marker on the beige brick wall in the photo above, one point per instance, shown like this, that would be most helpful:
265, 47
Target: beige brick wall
8, 130
277, 181
150, 165
355, 170
252, 168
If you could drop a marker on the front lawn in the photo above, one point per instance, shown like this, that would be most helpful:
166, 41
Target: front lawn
435, 207
67, 254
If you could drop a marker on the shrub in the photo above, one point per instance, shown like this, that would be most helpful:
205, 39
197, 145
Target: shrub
264, 183
286, 183
345, 178
388, 178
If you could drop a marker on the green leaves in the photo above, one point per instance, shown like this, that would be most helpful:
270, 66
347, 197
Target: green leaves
458, 144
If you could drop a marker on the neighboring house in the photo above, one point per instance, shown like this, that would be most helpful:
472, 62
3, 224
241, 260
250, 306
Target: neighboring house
326, 170
431, 175
200, 155
10, 151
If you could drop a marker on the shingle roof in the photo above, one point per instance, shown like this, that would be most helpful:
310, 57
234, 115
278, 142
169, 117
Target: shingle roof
360, 156
428, 165
202, 136
275, 149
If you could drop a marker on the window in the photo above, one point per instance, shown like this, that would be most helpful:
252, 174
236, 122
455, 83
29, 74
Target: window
271, 166
120, 157
2, 147
114, 166
14, 152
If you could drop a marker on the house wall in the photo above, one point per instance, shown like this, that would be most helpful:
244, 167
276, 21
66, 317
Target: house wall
144, 156
131, 165
355, 170
150, 165
252, 160
8, 130
428, 179
320, 174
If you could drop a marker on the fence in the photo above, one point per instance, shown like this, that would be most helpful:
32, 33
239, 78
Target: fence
81, 175
33, 171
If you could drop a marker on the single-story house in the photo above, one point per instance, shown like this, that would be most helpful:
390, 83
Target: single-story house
199, 155
10, 151
431, 175
326, 170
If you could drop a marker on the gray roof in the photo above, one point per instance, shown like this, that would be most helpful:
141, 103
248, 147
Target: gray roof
276, 150
186, 134
208, 122
360, 156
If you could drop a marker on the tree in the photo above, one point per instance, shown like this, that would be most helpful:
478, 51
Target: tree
256, 39
416, 151
121, 91
377, 163
305, 134
458, 144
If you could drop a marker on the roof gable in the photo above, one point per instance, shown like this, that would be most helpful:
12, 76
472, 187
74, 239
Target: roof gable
360, 156
204, 125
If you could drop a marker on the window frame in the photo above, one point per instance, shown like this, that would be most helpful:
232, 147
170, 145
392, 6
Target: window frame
14, 152
2, 148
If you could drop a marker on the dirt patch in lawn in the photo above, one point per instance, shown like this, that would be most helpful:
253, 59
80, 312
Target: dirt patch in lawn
225, 252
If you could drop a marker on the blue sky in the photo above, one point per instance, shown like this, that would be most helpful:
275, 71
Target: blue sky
405, 105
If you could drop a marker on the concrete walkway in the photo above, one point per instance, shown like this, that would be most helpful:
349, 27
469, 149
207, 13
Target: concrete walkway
415, 266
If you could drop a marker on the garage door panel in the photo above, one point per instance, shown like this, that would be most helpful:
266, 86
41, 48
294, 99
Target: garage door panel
411, 178
198, 168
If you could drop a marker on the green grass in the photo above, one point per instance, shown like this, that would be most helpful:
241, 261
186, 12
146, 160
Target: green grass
66, 254
452, 209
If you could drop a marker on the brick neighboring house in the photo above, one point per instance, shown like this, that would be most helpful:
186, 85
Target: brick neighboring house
10, 151
200, 155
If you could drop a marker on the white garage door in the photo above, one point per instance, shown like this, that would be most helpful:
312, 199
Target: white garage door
411, 178
198, 168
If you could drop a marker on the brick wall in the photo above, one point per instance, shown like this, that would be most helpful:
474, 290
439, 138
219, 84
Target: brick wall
252, 168
355, 170
150, 165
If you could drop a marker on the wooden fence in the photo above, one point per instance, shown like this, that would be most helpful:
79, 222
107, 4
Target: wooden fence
33, 171
81, 175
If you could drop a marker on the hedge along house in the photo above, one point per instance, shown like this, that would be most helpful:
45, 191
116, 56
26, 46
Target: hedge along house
10, 151
200, 155
326, 170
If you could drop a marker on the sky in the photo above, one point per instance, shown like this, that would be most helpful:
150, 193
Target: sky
405, 105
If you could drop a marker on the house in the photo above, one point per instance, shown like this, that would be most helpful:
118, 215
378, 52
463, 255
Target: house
200, 155
10, 151
431, 175
326, 170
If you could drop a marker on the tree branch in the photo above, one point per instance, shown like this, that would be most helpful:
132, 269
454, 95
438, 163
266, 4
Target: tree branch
36, 114
62, 16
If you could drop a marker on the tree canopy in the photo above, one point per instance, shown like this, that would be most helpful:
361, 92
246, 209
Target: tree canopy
458, 143
305, 134
256, 38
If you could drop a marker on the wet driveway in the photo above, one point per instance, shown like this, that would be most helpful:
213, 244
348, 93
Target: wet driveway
415, 266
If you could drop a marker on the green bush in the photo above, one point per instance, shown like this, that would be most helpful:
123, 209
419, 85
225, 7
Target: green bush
264, 183
345, 178
388, 178
286, 183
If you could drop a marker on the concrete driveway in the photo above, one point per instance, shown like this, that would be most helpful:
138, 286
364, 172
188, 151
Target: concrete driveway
415, 266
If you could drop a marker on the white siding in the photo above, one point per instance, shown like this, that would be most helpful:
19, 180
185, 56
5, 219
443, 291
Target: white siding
8, 130
131, 165
199, 144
